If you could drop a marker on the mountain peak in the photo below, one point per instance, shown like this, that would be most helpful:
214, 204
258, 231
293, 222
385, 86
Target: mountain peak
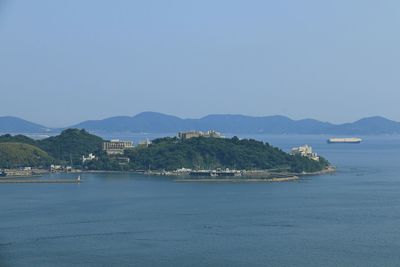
375, 119
152, 114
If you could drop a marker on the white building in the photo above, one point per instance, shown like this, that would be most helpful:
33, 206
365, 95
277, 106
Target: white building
305, 151
89, 158
54, 168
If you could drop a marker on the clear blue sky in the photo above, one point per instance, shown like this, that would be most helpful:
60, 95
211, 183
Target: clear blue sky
62, 62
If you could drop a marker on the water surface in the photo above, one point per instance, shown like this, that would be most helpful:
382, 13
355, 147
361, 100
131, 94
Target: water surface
350, 218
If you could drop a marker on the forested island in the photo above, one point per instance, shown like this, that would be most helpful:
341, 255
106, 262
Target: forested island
218, 153
163, 154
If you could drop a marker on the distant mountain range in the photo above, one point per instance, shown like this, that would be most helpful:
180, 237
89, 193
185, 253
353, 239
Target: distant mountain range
152, 122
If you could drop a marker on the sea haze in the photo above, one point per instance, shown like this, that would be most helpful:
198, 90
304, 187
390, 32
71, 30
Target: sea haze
350, 218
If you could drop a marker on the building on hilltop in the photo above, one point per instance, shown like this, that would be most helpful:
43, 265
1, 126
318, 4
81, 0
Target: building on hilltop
305, 151
191, 134
116, 147
188, 135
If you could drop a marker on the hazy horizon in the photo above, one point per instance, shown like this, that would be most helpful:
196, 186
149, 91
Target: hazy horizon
195, 117
78, 122
66, 62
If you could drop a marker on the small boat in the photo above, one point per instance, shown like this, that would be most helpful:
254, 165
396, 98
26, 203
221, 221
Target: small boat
3, 174
78, 179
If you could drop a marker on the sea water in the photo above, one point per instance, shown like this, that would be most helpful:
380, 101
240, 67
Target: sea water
350, 218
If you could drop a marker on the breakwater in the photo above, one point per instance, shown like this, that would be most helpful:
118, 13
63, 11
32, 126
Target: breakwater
33, 181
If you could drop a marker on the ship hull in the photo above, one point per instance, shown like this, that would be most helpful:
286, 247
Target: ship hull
338, 142
344, 141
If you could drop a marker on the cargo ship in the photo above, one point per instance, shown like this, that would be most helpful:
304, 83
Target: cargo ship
344, 140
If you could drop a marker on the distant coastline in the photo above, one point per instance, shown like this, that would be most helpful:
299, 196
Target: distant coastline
156, 123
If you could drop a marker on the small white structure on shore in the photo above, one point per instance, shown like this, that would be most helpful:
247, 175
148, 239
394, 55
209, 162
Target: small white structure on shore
183, 170
305, 151
54, 168
89, 158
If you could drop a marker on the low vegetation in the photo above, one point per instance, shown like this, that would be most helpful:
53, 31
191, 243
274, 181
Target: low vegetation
14, 155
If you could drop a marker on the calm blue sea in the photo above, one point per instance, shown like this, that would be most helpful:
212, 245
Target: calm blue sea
351, 218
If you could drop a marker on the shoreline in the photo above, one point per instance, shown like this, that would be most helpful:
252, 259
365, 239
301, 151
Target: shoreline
327, 170
249, 176
245, 173
238, 180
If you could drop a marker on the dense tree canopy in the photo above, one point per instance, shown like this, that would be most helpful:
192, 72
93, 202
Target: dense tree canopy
212, 153
71, 144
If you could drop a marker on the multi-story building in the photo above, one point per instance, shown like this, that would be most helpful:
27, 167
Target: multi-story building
305, 151
116, 147
192, 134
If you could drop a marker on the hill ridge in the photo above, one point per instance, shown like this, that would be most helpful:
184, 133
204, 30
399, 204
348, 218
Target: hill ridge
156, 122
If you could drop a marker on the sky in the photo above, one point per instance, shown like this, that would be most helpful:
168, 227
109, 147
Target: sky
63, 62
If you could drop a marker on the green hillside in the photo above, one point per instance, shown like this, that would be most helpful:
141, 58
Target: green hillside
8, 138
13, 155
212, 153
71, 144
